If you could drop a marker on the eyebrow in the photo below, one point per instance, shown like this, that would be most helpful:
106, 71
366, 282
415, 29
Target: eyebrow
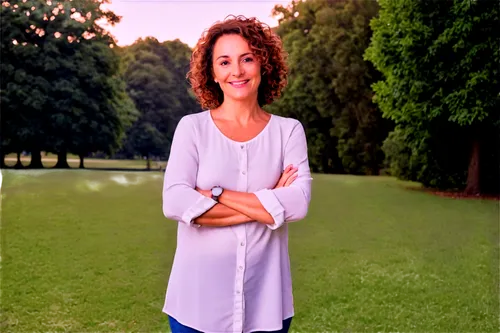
225, 56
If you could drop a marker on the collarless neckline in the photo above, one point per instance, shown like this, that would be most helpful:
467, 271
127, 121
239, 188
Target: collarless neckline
212, 121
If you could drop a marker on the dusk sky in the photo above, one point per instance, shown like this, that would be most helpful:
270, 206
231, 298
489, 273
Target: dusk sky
186, 20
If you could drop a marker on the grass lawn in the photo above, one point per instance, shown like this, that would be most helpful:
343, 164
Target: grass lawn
89, 251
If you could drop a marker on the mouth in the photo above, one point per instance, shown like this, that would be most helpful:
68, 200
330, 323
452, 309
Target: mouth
238, 84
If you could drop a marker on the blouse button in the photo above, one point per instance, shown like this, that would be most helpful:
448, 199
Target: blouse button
244, 172
242, 146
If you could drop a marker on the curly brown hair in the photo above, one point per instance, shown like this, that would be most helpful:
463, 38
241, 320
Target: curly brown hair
264, 43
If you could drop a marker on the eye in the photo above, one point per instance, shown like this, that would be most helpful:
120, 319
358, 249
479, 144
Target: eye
248, 59
224, 63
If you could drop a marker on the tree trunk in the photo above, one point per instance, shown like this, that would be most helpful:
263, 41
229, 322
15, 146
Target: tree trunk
473, 187
148, 166
36, 160
62, 161
19, 164
82, 156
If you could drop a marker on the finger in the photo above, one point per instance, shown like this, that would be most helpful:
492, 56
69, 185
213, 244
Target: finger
288, 174
289, 170
286, 171
282, 181
291, 179
285, 176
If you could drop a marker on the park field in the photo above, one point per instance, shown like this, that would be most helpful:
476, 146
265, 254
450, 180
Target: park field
90, 251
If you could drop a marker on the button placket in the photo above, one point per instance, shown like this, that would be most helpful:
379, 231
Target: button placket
244, 165
239, 292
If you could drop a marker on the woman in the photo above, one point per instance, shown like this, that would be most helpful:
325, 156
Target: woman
235, 177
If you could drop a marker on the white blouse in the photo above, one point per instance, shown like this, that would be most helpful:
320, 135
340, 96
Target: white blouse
235, 278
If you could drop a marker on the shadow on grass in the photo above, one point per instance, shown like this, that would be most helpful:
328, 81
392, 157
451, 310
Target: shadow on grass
455, 194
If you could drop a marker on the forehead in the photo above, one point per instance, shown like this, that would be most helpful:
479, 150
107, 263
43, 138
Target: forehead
231, 45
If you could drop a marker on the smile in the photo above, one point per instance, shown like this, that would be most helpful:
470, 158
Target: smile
238, 84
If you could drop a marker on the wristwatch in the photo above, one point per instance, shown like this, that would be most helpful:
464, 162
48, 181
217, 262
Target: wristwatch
216, 192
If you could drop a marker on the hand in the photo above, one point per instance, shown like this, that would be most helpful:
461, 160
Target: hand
287, 177
207, 193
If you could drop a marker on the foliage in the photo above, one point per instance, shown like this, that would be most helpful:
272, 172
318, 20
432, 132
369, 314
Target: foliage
61, 90
329, 83
155, 74
440, 65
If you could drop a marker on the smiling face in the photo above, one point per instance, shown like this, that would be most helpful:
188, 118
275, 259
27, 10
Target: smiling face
235, 68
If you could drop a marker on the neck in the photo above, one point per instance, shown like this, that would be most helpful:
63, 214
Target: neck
240, 111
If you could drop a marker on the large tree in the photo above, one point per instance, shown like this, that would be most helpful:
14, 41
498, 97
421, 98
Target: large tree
23, 89
440, 64
329, 83
61, 86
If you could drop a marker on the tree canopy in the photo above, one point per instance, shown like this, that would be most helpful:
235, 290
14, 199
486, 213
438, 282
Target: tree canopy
329, 83
61, 89
439, 61
155, 75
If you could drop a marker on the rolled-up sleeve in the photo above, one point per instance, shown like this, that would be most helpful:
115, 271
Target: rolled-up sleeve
288, 204
181, 202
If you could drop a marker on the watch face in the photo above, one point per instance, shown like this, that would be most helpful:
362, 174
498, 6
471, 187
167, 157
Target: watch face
217, 191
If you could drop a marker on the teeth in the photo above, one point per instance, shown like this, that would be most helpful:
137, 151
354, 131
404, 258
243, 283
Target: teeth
238, 83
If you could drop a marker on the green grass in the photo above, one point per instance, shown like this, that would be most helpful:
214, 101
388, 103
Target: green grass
89, 251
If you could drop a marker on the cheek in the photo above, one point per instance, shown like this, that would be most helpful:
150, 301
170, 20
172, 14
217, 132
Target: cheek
258, 78
255, 72
216, 74
219, 73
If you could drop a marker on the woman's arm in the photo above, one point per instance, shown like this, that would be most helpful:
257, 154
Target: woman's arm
221, 216
291, 203
181, 202
240, 207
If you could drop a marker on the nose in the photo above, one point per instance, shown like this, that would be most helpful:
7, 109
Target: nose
237, 70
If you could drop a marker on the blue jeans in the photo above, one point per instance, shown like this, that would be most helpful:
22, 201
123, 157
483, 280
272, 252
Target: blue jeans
177, 327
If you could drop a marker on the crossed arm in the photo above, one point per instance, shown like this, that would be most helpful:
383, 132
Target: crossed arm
240, 207
287, 201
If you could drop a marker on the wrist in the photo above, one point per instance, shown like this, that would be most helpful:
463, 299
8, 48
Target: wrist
216, 192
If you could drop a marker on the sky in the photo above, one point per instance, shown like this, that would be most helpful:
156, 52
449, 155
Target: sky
182, 19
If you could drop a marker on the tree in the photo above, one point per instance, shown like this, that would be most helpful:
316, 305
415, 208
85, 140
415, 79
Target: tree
156, 81
22, 89
329, 83
440, 86
63, 92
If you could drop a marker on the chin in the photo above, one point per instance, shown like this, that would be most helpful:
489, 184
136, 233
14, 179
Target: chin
242, 97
